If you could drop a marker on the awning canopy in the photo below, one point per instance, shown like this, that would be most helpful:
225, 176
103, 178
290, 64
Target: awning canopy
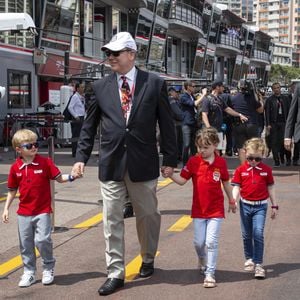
15, 21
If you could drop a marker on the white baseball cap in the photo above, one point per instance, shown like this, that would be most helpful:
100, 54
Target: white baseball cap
120, 41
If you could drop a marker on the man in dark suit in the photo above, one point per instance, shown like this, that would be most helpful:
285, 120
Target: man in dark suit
276, 111
292, 125
129, 103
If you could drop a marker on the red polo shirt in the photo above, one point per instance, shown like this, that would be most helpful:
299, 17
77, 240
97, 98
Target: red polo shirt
208, 198
253, 181
33, 182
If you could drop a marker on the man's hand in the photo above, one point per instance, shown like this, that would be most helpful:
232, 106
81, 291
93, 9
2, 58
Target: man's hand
166, 171
288, 144
204, 91
243, 118
78, 170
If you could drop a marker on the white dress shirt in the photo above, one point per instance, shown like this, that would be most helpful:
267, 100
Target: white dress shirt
77, 105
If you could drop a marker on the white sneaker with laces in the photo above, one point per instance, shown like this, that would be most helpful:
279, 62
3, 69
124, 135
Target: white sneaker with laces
209, 281
48, 276
27, 279
259, 272
249, 265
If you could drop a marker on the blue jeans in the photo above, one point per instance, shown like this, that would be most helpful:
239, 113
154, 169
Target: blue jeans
206, 237
253, 218
188, 142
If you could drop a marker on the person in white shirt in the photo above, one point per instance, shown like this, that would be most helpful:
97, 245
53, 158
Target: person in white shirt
77, 110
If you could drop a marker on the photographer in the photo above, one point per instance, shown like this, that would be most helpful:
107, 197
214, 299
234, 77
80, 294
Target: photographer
212, 111
247, 103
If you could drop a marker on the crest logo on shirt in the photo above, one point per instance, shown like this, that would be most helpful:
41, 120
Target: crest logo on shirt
19, 174
263, 173
38, 171
216, 175
245, 174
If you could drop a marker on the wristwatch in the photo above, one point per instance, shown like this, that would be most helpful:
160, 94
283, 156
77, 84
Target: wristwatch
275, 207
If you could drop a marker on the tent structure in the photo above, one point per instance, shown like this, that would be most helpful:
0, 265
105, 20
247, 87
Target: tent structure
17, 21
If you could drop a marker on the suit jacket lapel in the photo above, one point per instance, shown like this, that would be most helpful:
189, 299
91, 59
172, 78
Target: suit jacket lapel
140, 87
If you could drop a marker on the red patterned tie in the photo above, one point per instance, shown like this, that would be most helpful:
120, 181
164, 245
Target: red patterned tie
126, 97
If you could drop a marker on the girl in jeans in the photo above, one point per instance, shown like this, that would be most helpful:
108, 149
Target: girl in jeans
208, 172
253, 184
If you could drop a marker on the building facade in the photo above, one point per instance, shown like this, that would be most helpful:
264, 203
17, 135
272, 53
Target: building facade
179, 40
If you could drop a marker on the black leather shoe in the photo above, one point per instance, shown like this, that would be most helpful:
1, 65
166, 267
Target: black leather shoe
110, 286
128, 210
146, 270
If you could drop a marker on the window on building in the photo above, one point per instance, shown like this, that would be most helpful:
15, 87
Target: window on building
88, 17
19, 89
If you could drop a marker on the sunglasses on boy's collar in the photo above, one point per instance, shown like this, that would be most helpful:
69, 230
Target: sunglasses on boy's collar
108, 53
29, 146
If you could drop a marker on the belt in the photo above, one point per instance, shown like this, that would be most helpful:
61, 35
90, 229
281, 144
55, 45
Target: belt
261, 202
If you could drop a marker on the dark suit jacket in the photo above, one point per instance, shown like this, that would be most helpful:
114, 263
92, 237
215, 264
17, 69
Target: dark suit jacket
131, 147
187, 105
271, 108
292, 125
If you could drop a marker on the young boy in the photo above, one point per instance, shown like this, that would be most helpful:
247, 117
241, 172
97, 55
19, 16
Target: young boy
31, 174
253, 184
208, 172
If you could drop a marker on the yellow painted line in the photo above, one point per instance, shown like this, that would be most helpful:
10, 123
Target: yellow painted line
165, 182
181, 224
3, 182
90, 222
4, 198
133, 268
13, 264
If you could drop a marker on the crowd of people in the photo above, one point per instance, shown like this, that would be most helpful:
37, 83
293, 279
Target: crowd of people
238, 115
128, 105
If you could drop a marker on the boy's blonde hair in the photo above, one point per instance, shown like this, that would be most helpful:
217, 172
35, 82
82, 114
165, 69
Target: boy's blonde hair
256, 145
22, 136
207, 136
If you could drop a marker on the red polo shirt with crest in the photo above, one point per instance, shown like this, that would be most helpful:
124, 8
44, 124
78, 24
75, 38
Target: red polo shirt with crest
253, 181
208, 198
33, 182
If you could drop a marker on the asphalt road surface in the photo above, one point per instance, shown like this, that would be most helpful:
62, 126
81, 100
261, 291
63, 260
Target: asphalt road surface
79, 246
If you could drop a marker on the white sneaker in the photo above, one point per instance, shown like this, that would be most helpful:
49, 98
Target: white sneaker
259, 272
249, 265
48, 276
209, 281
27, 279
202, 264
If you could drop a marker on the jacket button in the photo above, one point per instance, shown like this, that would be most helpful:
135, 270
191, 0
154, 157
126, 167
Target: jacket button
125, 146
127, 129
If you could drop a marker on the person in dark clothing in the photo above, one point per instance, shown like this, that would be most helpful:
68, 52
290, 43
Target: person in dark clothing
296, 150
276, 109
228, 120
178, 117
187, 104
212, 110
246, 103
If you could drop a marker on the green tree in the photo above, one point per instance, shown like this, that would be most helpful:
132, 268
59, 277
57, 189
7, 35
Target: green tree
283, 74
